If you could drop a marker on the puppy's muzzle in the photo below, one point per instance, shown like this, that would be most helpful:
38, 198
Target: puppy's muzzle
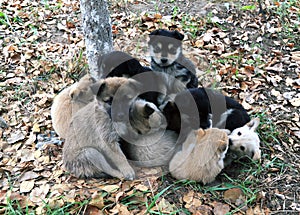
164, 60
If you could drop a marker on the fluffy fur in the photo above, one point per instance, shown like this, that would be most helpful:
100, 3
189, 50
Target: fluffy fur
145, 141
201, 157
91, 148
120, 64
105, 89
244, 141
165, 49
212, 108
69, 101
139, 123
150, 86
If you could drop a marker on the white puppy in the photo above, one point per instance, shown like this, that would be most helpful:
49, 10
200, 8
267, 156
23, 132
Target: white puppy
245, 141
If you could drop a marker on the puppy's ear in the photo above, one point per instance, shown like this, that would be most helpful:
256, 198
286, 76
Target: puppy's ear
148, 110
178, 35
200, 133
257, 155
72, 93
227, 131
98, 87
222, 145
253, 124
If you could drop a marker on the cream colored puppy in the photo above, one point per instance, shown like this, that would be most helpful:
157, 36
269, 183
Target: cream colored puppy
69, 101
202, 155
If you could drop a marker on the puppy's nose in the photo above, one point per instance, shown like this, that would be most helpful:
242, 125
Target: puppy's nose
164, 60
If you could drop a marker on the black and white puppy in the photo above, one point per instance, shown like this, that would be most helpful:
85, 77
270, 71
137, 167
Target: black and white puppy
165, 49
204, 108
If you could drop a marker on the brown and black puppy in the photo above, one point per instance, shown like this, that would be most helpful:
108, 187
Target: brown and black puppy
165, 49
202, 155
91, 148
69, 101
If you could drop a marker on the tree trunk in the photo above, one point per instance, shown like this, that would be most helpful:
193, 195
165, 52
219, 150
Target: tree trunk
96, 26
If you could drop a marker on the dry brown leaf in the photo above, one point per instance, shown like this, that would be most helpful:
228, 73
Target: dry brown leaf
97, 200
141, 187
38, 194
233, 195
188, 198
28, 176
92, 210
164, 207
110, 188
220, 209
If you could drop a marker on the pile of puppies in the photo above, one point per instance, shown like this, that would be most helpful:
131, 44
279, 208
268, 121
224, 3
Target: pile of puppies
140, 116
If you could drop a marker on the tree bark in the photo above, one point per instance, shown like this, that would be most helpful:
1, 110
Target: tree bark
96, 26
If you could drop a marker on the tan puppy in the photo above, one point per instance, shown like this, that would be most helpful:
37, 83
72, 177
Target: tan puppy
91, 148
69, 101
201, 157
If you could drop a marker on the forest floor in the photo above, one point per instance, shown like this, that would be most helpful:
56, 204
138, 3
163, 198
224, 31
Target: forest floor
252, 57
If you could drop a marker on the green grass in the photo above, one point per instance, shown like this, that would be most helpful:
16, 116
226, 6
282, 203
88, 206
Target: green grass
267, 130
77, 66
289, 29
13, 207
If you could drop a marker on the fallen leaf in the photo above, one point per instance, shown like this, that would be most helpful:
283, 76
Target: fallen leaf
28, 175
275, 92
233, 194
15, 137
36, 128
92, 210
295, 102
26, 186
97, 200
188, 198
110, 188
220, 209
164, 207
141, 187
38, 194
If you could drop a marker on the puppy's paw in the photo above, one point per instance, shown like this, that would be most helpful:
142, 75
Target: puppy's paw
128, 173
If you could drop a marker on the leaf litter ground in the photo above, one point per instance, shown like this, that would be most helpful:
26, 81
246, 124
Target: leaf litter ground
252, 57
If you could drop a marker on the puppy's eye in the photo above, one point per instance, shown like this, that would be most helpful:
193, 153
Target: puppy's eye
173, 50
156, 49
242, 148
239, 133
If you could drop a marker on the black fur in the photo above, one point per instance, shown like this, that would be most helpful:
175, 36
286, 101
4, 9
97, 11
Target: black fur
210, 105
120, 64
